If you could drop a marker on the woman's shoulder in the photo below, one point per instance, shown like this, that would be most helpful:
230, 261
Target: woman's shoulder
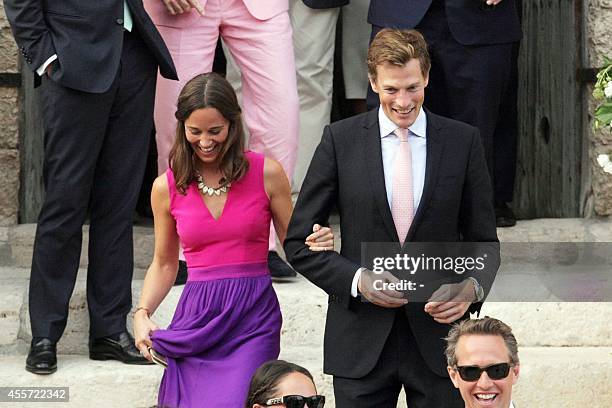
272, 169
161, 184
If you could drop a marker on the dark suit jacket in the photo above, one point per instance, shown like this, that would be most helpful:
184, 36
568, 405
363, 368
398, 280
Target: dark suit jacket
323, 4
467, 22
87, 37
347, 171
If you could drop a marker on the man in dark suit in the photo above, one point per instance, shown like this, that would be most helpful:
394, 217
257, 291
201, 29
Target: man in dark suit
470, 42
97, 61
396, 174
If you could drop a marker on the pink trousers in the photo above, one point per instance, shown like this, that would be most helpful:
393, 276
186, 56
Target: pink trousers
263, 49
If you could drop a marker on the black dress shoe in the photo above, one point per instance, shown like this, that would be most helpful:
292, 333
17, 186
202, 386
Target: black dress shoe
504, 216
117, 347
42, 357
181, 274
279, 269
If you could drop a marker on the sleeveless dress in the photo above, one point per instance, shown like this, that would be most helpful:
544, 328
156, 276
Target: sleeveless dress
227, 321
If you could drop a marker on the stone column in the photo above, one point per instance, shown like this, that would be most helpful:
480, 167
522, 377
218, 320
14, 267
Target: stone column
9, 128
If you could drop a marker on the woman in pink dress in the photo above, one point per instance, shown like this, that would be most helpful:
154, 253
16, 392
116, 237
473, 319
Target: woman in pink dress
217, 201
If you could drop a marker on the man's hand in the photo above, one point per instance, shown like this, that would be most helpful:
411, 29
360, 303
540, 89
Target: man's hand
451, 301
49, 69
380, 297
183, 6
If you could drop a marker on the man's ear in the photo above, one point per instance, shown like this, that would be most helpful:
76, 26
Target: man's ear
373, 83
516, 370
453, 376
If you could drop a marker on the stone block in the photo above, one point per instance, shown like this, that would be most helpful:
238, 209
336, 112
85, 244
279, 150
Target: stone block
11, 302
9, 186
21, 241
8, 49
9, 112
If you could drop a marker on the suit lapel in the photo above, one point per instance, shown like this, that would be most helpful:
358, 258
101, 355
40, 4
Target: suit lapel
435, 148
373, 158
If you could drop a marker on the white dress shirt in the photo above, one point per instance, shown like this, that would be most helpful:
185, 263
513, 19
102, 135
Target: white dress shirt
389, 143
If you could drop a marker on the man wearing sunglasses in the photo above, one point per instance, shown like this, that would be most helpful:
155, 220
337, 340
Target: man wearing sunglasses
483, 362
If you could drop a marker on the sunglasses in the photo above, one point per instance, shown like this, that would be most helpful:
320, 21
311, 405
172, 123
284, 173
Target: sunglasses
298, 401
494, 371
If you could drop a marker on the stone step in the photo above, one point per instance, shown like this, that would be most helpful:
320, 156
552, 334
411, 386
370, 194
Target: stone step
551, 377
16, 242
304, 307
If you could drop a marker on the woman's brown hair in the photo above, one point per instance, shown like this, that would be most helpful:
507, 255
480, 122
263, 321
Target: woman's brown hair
266, 379
208, 91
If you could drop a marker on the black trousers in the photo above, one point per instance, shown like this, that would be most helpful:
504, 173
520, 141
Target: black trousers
400, 364
94, 157
468, 83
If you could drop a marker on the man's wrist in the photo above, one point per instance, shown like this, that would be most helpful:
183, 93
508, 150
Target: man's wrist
478, 290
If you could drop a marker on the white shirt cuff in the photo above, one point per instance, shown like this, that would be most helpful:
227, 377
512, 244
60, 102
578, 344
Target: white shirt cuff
354, 292
41, 70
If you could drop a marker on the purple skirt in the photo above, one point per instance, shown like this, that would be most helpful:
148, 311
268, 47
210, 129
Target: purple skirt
222, 330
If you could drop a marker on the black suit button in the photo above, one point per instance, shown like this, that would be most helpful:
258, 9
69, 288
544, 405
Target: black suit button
120, 21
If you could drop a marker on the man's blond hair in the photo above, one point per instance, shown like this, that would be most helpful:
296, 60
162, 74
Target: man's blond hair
397, 47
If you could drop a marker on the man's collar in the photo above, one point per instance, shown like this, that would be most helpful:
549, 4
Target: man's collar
418, 128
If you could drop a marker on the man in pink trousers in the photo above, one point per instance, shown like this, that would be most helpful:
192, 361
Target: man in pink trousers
258, 35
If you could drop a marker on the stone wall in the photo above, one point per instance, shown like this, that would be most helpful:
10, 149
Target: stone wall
9, 128
599, 42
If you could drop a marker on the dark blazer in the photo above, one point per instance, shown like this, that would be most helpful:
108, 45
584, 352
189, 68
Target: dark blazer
347, 171
323, 4
87, 37
469, 24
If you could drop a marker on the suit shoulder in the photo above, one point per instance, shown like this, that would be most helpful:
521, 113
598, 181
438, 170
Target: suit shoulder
348, 126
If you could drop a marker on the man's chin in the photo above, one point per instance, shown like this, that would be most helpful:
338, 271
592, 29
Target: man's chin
404, 121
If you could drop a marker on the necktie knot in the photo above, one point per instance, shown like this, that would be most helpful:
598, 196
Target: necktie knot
402, 134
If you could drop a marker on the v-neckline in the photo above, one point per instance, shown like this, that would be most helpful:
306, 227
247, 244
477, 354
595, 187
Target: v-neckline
201, 197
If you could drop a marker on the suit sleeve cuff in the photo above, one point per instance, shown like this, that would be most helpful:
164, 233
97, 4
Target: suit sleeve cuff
354, 292
41, 70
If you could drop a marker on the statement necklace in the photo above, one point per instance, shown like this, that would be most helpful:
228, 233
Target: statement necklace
210, 190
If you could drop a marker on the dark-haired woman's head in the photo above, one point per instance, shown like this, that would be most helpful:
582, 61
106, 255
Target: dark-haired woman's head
279, 383
209, 131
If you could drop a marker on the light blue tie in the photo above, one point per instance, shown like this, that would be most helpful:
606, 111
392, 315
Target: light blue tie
127, 17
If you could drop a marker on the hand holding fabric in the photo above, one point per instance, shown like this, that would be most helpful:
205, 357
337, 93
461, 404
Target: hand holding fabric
143, 326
